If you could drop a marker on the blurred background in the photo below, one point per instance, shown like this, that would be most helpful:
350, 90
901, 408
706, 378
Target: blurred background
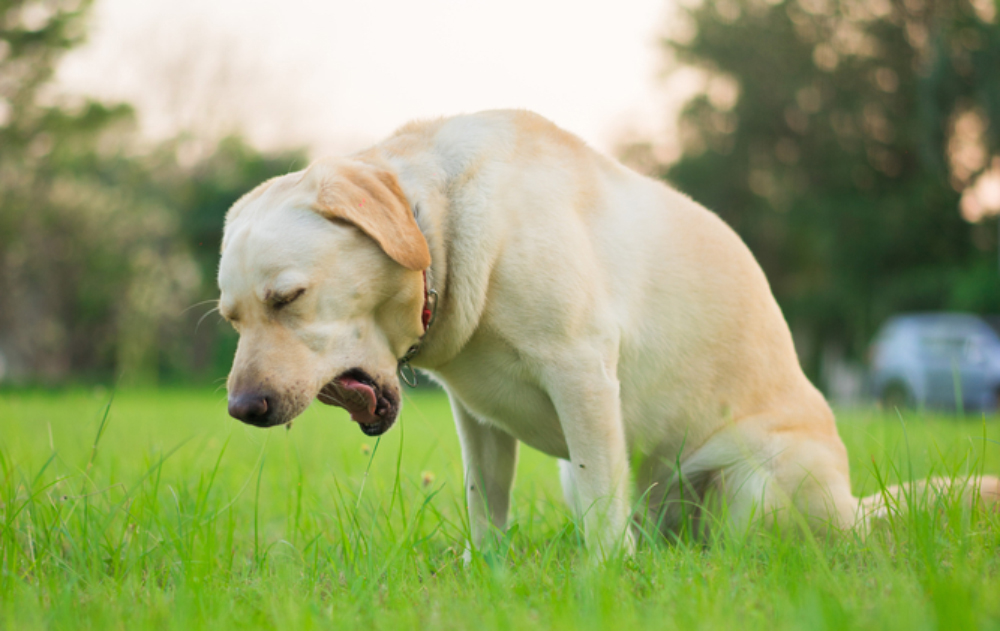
853, 144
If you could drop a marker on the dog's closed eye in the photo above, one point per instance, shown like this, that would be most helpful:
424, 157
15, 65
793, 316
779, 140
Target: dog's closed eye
278, 301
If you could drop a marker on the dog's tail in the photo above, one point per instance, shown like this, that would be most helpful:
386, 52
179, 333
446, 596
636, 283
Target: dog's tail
976, 490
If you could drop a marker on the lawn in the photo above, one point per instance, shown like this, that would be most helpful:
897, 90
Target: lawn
159, 511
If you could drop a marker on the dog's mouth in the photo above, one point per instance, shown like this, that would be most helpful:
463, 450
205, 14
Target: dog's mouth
372, 407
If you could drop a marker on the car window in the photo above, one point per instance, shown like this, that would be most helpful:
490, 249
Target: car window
965, 348
943, 346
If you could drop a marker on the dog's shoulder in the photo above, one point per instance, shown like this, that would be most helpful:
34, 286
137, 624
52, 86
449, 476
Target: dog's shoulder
466, 139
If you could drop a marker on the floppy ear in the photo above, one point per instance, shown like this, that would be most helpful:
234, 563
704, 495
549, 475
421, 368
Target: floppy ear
370, 198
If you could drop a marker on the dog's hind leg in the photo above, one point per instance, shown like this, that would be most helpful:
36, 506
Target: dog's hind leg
750, 475
794, 477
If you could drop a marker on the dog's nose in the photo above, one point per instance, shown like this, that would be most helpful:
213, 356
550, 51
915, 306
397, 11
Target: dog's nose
250, 407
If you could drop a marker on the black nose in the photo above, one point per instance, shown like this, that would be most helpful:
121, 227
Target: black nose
251, 407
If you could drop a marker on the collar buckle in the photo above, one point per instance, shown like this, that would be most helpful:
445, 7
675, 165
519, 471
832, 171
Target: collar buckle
406, 372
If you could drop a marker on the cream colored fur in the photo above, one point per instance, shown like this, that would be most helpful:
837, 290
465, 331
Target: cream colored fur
585, 310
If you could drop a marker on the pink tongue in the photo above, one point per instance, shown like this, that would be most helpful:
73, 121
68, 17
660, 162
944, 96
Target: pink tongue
361, 404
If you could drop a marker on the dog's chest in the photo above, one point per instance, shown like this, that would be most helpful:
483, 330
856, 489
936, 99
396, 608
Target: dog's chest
499, 388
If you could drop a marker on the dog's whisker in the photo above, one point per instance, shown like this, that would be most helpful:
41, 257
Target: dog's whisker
202, 318
198, 304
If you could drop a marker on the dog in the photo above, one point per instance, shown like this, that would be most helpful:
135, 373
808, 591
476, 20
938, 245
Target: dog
563, 301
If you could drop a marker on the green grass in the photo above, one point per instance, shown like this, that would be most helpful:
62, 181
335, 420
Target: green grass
164, 513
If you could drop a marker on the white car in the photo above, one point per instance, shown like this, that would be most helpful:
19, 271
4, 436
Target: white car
947, 361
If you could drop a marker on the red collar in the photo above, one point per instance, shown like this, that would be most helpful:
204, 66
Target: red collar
427, 314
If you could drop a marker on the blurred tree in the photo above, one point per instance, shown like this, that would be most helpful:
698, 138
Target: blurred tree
104, 243
829, 136
61, 258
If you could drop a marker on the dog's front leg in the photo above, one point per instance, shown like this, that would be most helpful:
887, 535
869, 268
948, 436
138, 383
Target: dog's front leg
589, 409
489, 456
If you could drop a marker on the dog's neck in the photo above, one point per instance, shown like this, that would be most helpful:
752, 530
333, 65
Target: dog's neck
435, 289
456, 258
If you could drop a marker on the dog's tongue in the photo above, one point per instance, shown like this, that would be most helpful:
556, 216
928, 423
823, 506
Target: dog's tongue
357, 398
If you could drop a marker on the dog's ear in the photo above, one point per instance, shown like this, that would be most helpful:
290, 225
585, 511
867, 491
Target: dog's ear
370, 198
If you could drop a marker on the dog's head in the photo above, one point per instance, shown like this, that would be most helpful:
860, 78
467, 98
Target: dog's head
321, 276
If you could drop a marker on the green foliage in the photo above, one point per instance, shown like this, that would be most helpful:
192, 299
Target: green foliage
104, 241
154, 510
33, 35
832, 162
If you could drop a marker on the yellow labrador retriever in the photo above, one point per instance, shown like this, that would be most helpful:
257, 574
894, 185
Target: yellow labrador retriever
578, 307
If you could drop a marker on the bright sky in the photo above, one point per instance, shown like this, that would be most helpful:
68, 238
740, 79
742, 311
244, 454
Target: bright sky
337, 75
